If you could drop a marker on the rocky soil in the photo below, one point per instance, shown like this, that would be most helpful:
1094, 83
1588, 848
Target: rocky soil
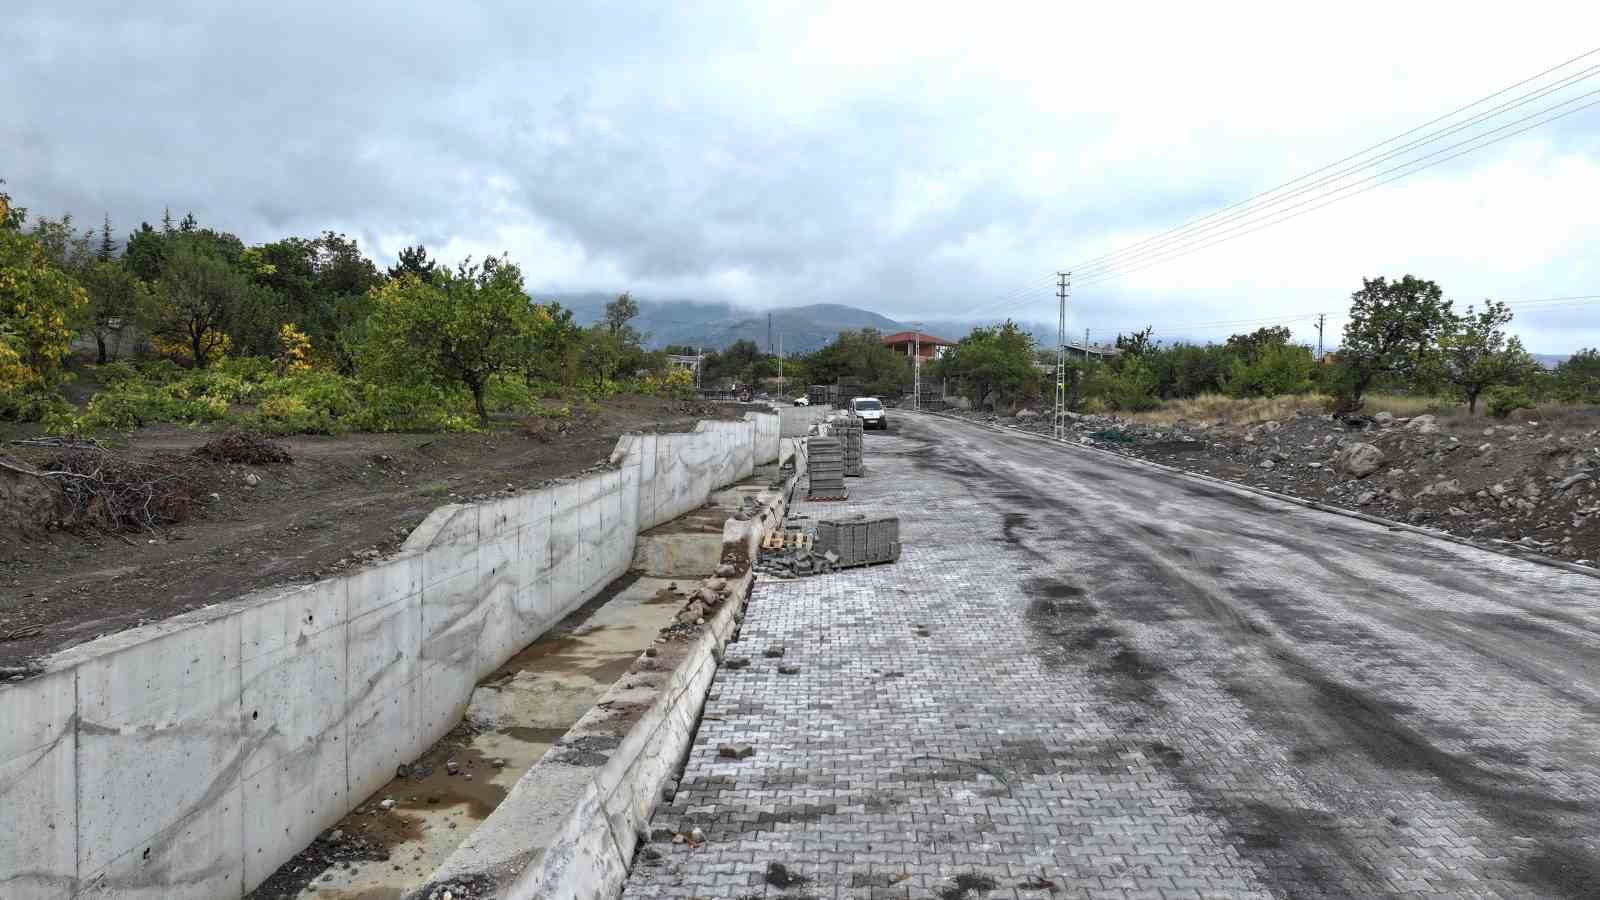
1526, 481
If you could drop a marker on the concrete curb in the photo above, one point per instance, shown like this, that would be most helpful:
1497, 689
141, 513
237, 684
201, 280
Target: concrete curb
1501, 549
570, 826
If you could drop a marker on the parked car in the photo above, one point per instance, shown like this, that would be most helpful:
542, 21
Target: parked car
870, 409
802, 401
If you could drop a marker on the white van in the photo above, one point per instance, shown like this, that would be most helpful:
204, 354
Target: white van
870, 409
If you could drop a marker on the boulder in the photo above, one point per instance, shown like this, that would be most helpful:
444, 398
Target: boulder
1384, 418
1026, 415
1424, 424
1359, 459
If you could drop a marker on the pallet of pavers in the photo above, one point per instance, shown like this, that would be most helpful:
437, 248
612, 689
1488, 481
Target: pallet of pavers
858, 540
825, 468
848, 428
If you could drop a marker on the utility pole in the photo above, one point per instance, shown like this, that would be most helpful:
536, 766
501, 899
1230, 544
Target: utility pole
769, 334
916, 366
699, 357
781, 393
1086, 346
1063, 281
1321, 317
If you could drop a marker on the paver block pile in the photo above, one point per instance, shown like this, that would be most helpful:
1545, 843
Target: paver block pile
848, 428
858, 540
826, 469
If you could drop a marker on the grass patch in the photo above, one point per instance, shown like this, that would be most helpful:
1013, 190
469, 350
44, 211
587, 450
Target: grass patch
1220, 408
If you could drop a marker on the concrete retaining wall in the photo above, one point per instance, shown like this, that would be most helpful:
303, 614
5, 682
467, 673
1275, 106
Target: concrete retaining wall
192, 757
569, 827
796, 421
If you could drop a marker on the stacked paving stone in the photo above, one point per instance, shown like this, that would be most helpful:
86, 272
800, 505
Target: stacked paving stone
858, 540
848, 428
826, 469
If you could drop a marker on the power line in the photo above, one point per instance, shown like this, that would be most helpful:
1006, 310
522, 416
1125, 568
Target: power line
1253, 210
1235, 233
1338, 162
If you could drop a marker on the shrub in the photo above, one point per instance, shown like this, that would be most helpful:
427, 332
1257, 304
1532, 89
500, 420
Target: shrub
1504, 400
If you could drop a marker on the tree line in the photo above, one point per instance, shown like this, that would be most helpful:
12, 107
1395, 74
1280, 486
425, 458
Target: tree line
1401, 336
199, 297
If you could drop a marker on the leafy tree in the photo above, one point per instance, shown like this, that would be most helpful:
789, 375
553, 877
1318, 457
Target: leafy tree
1188, 370
413, 261
38, 303
1136, 344
1251, 346
619, 312
996, 360
198, 295
67, 248
113, 300
1274, 370
554, 346
862, 357
11, 217
737, 363
144, 252
1394, 330
323, 283
1577, 379
1476, 353
464, 327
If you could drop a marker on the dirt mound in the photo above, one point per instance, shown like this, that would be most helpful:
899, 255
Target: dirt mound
1533, 481
236, 446
29, 502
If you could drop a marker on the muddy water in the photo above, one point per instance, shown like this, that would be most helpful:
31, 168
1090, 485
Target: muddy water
516, 714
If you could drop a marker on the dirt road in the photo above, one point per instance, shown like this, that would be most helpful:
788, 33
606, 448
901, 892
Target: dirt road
1088, 677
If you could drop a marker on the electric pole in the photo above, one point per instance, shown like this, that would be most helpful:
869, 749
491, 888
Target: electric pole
769, 334
1086, 346
1320, 319
781, 393
1063, 281
916, 366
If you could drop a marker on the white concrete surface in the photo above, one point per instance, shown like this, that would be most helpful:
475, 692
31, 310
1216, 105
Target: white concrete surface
191, 757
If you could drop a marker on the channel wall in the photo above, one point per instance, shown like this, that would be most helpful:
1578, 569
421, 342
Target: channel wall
192, 757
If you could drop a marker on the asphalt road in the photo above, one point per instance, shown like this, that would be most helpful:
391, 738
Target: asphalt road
1183, 690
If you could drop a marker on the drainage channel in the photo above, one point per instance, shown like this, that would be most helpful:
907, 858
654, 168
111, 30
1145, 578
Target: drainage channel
394, 841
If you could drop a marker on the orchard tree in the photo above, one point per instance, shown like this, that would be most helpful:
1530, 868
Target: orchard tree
1476, 353
198, 295
1251, 346
1394, 331
113, 293
463, 327
38, 303
1577, 379
997, 359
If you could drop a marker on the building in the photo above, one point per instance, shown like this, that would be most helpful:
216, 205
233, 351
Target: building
1079, 350
923, 344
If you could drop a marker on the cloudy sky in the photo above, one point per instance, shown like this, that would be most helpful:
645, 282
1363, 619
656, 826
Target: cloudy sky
924, 161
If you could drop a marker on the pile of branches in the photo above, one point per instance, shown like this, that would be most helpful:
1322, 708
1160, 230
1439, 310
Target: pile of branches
117, 493
236, 446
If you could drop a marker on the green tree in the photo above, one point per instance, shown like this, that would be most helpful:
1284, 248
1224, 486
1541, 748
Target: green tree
12, 217
1577, 379
113, 294
1393, 331
464, 327
860, 357
1274, 370
199, 294
619, 312
1476, 353
1136, 344
554, 346
324, 284
997, 360
107, 250
1251, 346
413, 261
737, 363
38, 303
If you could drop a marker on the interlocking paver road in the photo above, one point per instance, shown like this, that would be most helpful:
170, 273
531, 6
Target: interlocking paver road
1087, 678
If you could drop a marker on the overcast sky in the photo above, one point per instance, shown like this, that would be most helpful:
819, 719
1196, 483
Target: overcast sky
918, 160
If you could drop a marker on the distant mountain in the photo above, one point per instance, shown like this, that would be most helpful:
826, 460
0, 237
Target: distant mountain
718, 325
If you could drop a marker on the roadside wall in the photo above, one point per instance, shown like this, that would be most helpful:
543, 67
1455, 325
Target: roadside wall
192, 757
796, 421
